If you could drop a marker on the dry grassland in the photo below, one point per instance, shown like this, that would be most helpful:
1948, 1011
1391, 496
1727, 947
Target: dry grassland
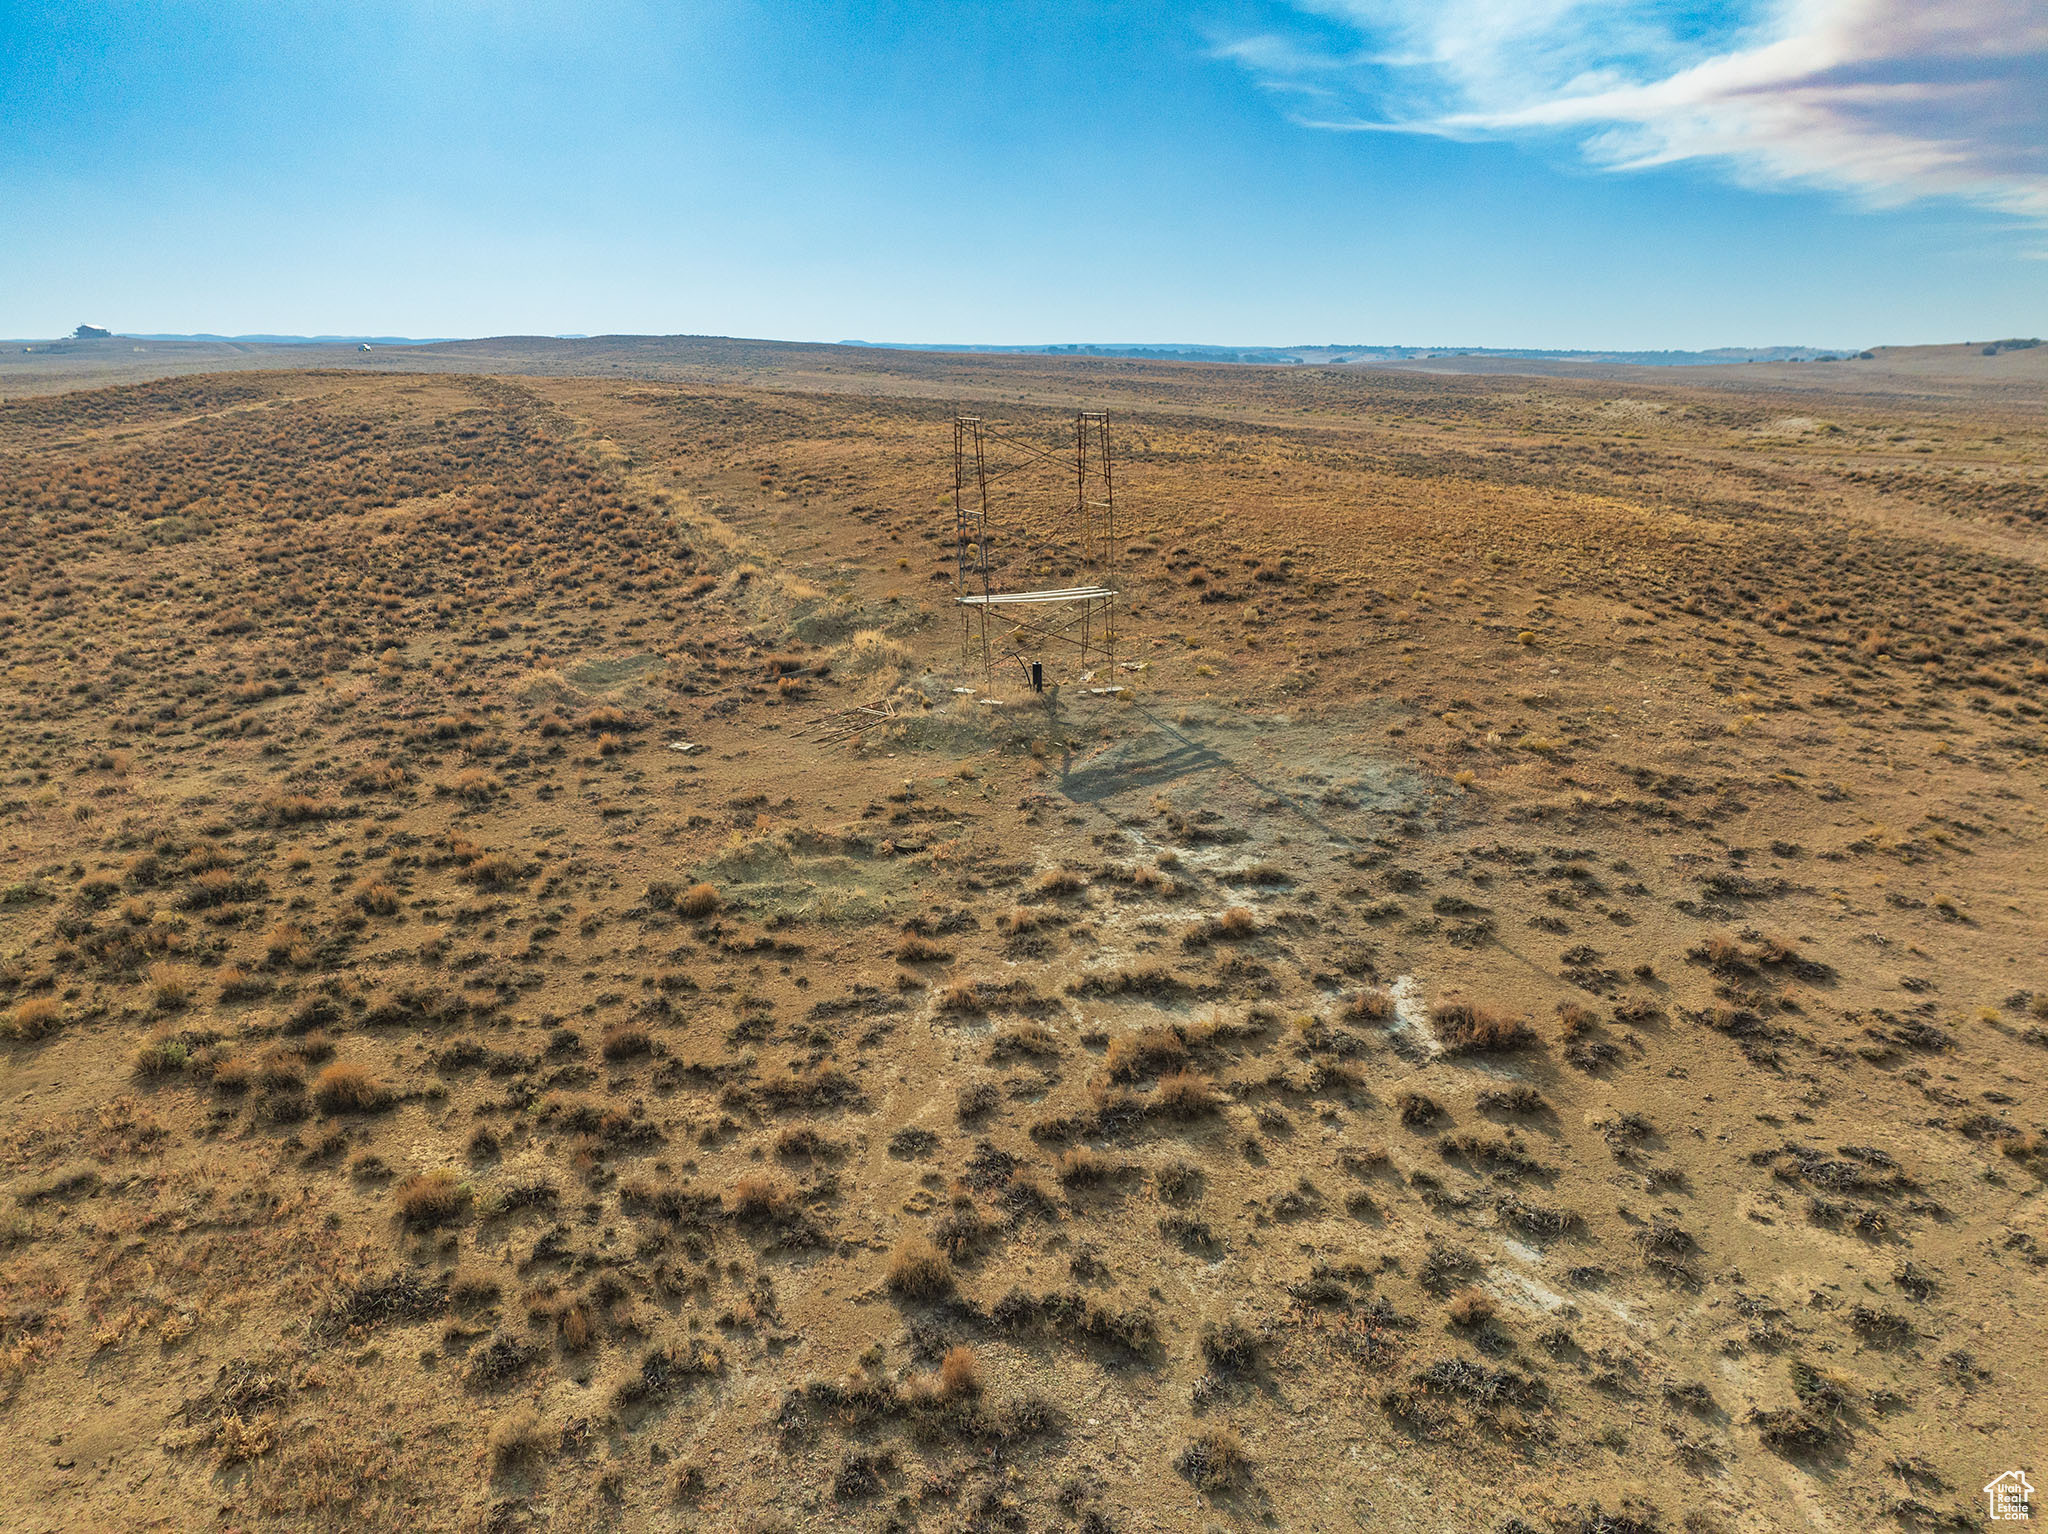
1529, 1012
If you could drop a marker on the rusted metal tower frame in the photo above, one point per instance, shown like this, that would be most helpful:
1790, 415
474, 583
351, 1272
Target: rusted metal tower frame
1090, 609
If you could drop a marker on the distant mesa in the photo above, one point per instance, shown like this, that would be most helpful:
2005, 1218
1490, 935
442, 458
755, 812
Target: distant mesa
91, 333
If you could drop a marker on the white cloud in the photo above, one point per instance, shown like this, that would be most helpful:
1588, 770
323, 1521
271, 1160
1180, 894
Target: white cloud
1891, 100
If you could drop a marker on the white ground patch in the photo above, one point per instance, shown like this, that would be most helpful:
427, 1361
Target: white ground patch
1411, 1019
1521, 1288
1518, 1287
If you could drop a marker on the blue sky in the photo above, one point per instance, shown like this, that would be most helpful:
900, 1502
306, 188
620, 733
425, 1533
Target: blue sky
1554, 173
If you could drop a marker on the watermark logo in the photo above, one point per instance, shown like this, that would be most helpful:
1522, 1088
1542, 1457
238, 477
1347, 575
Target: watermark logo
2011, 1497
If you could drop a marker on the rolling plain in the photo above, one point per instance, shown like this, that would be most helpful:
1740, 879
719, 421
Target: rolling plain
1522, 1006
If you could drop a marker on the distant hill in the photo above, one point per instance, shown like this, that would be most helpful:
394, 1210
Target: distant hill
1335, 354
2009, 371
1323, 354
145, 335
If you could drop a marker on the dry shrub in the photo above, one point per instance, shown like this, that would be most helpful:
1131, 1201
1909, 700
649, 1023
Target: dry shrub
1178, 1181
1185, 1095
472, 1287
815, 1086
281, 1070
1773, 949
473, 786
576, 1325
519, 1436
1026, 1038
1418, 1110
920, 1271
163, 1053
376, 778
959, 1373
237, 1438
1574, 1020
961, 996
1371, 1006
215, 887
1466, 1029
1213, 1458
871, 651
962, 1228
1722, 952
1518, 1099
800, 1142
1116, 1108
917, 950
1470, 1307
699, 900
2023, 1147
345, 1087
377, 898
1058, 883
1146, 1052
170, 985
626, 1041
1232, 1348
760, 1196
36, 1018
1238, 921
284, 942
494, 871
1084, 1168
977, 1099
431, 1198
295, 809
238, 984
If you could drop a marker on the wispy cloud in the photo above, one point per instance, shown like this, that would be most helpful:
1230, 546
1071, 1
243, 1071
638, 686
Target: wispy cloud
1890, 100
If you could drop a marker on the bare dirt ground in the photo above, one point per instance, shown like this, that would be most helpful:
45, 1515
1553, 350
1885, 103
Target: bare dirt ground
1527, 1011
